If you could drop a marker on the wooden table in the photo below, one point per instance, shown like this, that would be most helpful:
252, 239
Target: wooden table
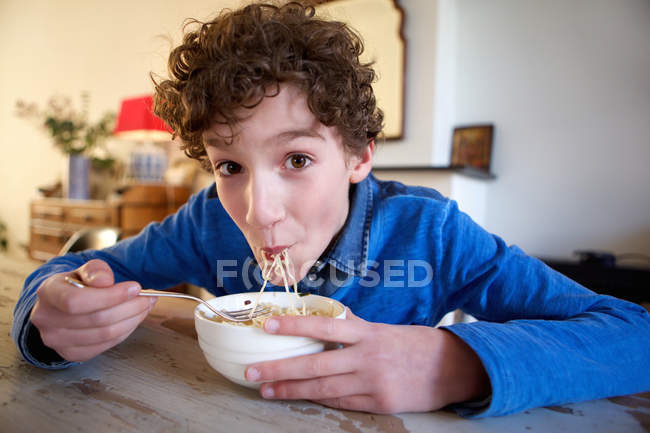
158, 381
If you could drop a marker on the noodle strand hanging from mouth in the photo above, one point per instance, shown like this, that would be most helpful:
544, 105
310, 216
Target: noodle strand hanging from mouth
280, 267
266, 280
287, 266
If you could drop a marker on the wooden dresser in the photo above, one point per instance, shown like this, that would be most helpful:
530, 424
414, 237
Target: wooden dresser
54, 220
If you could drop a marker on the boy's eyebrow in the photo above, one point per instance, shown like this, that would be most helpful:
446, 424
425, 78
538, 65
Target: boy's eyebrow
286, 135
297, 133
213, 141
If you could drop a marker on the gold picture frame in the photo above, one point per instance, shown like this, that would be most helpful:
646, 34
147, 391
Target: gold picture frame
472, 147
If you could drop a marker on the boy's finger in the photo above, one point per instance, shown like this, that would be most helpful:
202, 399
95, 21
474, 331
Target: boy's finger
321, 328
321, 388
84, 353
361, 403
96, 273
50, 317
328, 363
74, 300
63, 337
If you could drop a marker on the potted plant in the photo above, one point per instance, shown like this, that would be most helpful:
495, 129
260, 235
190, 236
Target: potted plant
75, 136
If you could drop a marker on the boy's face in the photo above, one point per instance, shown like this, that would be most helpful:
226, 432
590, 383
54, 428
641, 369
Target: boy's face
285, 178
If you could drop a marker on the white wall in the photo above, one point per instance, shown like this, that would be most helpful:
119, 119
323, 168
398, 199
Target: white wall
108, 49
420, 33
444, 104
66, 47
567, 84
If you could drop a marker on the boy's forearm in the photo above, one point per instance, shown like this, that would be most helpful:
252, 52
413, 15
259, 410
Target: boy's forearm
469, 379
533, 363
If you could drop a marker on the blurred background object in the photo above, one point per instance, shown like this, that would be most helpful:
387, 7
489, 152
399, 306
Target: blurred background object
136, 123
3, 237
93, 238
75, 136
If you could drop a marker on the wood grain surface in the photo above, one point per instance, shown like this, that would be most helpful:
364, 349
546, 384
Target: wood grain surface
158, 381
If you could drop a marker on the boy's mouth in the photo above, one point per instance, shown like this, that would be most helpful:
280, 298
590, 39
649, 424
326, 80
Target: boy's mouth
271, 252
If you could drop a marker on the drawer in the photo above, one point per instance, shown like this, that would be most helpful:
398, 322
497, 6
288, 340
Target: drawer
88, 216
155, 195
45, 241
50, 212
42, 256
134, 218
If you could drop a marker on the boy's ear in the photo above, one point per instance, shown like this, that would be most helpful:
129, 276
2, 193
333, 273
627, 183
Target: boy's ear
362, 164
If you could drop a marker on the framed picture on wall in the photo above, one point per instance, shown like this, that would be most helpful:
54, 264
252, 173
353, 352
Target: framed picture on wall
381, 26
472, 146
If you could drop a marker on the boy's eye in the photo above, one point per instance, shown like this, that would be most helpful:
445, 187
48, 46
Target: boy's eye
297, 161
228, 168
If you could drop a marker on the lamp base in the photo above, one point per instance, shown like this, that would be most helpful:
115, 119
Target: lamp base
147, 164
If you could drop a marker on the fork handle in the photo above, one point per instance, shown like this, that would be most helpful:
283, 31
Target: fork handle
158, 293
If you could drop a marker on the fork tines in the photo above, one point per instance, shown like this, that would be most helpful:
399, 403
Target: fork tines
261, 310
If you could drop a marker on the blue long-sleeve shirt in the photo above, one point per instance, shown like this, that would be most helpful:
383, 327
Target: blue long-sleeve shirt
406, 255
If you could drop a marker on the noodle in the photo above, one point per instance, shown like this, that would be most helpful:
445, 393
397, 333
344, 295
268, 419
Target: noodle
258, 322
280, 266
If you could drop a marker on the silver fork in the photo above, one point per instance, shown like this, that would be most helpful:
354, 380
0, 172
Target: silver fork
242, 315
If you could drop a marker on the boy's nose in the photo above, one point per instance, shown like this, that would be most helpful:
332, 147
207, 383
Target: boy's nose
265, 206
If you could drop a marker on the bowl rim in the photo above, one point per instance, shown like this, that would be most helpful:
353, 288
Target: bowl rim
226, 325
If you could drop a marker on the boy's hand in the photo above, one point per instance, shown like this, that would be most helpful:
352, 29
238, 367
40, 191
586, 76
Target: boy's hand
381, 368
81, 323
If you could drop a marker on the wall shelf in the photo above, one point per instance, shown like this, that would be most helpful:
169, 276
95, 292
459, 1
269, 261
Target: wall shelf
464, 170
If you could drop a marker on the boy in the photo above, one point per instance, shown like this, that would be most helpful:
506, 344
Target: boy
276, 103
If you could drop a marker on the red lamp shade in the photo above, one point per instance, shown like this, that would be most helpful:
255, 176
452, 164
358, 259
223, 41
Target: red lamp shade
136, 121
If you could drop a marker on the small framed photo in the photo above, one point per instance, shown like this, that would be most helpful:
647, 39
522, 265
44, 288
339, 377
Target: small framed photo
472, 147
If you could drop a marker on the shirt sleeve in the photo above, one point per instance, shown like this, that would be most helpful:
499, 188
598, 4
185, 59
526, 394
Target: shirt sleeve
542, 338
161, 256
23, 332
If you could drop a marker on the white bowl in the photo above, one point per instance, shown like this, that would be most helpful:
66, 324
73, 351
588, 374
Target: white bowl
229, 349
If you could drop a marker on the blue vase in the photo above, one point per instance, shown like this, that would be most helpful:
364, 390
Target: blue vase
78, 177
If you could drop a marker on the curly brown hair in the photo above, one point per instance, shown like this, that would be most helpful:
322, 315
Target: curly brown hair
242, 56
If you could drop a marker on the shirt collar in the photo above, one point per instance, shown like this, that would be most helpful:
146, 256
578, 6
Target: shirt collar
350, 250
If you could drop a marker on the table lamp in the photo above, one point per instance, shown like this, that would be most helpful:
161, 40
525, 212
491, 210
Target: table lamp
136, 122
